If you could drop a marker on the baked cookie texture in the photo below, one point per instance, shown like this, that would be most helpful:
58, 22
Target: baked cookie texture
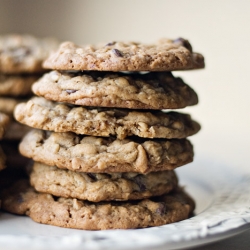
105, 155
13, 129
17, 85
74, 213
155, 90
24, 53
164, 55
21, 58
97, 187
61, 117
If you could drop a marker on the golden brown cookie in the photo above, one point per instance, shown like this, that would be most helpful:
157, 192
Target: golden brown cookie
164, 55
73, 213
16, 85
60, 117
100, 186
155, 90
104, 155
24, 53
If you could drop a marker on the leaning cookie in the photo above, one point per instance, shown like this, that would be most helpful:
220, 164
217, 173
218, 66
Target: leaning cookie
73, 213
97, 187
105, 154
164, 55
24, 53
16, 85
60, 117
155, 90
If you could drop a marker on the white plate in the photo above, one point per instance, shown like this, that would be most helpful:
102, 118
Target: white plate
223, 209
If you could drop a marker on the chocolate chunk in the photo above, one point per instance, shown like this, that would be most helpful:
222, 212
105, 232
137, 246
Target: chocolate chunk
139, 181
161, 209
70, 91
110, 44
117, 52
183, 42
91, 176
19, 198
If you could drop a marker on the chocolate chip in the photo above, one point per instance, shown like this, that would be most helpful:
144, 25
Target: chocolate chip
161, 209
110, 44
183, 42
19, 198
70, 91
91, 176
117, 52
19, 53
139, 181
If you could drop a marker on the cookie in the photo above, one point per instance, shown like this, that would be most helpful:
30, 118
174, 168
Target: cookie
79, 214
8, 104
60, 117
16, 85
24, 53
103, 155
155, 90
15, 131
97, 187
4, 122
164, 55
14, 160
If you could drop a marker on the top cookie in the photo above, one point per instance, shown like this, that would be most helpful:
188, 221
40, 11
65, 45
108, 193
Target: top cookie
165, 55
24, 53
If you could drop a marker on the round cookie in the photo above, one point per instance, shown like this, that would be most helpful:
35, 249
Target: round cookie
73, 213
154, 90
16, 85
97, 187
164, 55
24, 53
60, 117
105, 155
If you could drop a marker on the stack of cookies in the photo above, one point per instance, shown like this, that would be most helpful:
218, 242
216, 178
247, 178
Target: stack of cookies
21, 58
104, 152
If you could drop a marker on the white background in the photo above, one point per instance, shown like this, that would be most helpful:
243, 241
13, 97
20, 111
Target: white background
219, 29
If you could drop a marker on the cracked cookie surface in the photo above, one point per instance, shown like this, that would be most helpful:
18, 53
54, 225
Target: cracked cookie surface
164, 55
60, 117
105, 154
97, 187
154, 90
74, 213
